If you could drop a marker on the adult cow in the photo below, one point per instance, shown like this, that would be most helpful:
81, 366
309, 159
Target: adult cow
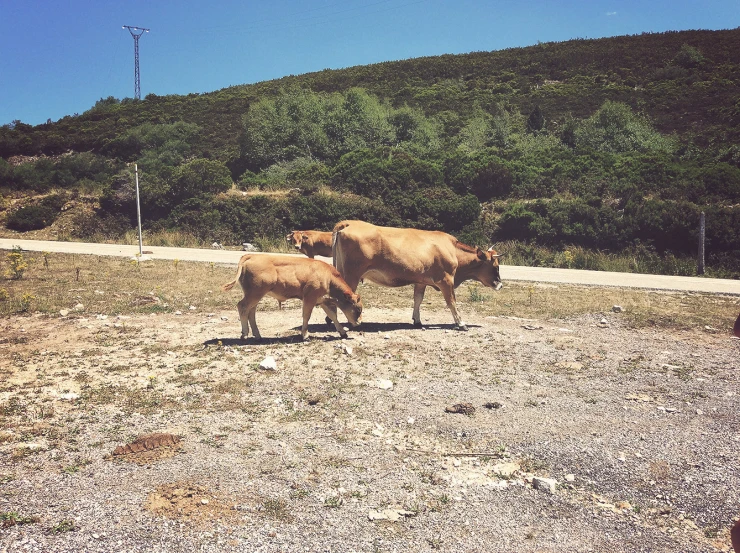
310, 242
399, 256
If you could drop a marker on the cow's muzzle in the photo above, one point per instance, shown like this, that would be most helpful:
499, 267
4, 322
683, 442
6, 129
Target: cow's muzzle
498, 286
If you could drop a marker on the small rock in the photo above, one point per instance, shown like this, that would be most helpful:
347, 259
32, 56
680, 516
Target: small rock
548, 485
268, 364
96, 536
381, 383
204, 501
410, 420
178, 312
192, 308
79, 307
393, 515
710, 329
348, 350
699, 412
603, 322
247, 247
69, 396
493, 405
531, 327
224, 318
623, 505
64, 312
570, 478
617, 308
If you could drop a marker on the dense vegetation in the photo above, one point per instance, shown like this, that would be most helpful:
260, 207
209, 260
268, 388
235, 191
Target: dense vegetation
613, 144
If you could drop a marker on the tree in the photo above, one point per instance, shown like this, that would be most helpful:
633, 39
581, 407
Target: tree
536, 120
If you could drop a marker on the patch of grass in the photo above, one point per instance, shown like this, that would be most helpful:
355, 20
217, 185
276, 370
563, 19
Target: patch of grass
276, 509
12, 518
63, 526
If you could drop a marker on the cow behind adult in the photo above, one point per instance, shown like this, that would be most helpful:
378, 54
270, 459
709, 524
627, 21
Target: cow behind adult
399, 256
311, 242
287, 277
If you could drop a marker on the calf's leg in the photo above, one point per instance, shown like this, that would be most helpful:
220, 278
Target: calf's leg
331, 312
308, 306
419, 290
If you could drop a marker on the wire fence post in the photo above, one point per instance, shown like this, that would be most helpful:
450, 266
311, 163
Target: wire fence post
138, 207
702, 234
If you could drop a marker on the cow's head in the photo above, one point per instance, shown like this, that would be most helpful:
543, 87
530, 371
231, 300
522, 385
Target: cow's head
351, 305
295, 238
488, 273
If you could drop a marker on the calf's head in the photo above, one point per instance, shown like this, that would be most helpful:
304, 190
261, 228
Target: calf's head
295, 238
351, 305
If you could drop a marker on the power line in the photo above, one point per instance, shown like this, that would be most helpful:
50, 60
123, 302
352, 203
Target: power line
136, 33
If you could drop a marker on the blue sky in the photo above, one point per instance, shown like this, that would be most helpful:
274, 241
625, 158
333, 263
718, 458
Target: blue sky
59, 57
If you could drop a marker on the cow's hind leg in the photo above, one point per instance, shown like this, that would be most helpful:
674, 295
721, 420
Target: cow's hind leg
447, 288
419, 290
253, 322
243, 308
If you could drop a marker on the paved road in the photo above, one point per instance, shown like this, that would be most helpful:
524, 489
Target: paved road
508, 272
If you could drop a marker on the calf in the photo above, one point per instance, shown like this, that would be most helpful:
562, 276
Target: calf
286, 277
311, 242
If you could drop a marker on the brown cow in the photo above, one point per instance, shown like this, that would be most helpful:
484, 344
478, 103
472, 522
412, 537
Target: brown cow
286, 277
399, 256
311, 242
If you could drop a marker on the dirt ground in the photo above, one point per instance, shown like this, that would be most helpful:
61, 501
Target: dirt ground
347, 445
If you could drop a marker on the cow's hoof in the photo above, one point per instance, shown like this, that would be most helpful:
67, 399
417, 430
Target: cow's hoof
329, 321
462, 327
417, 324
344, 336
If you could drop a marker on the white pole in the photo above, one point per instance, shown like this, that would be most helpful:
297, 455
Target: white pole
138, 207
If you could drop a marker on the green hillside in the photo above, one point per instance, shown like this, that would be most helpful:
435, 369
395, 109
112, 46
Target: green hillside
613, 145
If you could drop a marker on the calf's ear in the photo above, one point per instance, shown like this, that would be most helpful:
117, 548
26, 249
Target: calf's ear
481, 254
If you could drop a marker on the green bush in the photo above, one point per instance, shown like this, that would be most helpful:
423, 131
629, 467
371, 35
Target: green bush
31, 217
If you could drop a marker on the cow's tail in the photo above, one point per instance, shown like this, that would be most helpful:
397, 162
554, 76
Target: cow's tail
336, 252
229, 285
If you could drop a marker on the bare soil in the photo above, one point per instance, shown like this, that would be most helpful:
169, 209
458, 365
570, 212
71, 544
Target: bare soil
638, 425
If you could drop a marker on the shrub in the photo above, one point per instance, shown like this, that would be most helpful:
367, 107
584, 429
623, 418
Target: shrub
31, 217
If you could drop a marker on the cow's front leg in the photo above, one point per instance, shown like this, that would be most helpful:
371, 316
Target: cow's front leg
419, 290
447, 288
331, 312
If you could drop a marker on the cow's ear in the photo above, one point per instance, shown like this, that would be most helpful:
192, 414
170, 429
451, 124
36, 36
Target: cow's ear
481, 254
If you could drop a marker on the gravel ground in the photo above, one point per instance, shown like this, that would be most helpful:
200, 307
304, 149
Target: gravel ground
638, 429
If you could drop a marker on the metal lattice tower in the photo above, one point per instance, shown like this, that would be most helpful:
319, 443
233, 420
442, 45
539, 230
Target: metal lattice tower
136, 32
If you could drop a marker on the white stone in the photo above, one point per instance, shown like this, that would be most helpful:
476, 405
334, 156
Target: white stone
381, 383
178, 312
79, 307
548, 485
570, 478
268, 364
69, 396
64, 312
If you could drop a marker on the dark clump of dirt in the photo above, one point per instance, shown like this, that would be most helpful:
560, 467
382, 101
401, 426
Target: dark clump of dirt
149, 448
189, 502
461, 408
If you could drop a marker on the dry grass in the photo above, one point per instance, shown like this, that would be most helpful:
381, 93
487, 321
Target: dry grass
115, 286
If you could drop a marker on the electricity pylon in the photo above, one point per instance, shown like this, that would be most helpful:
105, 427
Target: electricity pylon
136, 32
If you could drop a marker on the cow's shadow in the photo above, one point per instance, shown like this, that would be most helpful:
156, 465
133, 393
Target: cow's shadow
374, 328
269, 340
